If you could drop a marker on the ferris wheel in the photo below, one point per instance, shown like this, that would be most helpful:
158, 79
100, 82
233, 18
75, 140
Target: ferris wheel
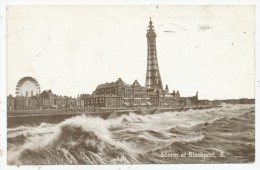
27, 86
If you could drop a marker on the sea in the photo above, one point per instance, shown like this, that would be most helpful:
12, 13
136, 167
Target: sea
223, 134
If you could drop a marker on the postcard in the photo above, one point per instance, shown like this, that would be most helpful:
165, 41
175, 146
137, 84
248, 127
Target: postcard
130, 85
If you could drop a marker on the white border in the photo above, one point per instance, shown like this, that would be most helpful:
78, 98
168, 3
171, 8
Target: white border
3, 116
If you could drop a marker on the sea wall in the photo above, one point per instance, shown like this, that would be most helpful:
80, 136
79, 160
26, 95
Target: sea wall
36, 117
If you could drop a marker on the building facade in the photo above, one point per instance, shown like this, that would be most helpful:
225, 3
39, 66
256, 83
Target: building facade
10, 102
99, 101
25, 103
60, 101
47, 99
132, 95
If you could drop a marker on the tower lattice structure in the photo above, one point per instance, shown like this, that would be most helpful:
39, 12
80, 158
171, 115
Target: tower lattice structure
153, 78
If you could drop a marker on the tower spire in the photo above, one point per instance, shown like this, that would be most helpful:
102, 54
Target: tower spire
153, 78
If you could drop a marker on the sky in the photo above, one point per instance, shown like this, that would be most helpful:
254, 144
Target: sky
72, 49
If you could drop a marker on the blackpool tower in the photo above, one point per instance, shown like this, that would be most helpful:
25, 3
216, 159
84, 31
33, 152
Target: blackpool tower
153, 78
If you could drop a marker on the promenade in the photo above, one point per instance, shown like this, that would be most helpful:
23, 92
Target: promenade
36, 117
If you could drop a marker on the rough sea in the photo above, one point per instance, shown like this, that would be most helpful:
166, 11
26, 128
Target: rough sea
223, 134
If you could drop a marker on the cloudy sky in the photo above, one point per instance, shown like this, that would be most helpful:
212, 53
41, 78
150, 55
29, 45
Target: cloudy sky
72, 49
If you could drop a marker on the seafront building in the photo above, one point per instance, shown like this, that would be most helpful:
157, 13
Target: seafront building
131, 94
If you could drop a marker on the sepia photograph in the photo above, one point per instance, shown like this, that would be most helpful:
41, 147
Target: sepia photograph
130, 84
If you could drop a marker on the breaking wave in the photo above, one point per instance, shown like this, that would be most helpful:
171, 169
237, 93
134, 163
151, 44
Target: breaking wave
160, 138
